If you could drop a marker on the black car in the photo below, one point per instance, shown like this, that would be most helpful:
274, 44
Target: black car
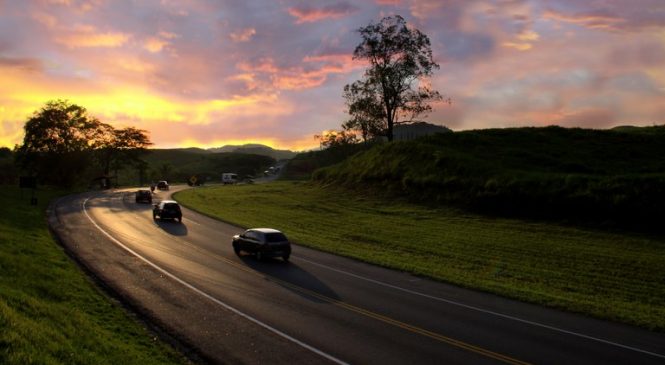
144, 196
263, 242
167, 209
163, 185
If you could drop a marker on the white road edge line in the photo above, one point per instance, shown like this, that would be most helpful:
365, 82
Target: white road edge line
452, 302
206, 295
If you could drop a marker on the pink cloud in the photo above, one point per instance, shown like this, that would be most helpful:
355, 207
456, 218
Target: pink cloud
588, 20
310, 15
243, 35
87, 36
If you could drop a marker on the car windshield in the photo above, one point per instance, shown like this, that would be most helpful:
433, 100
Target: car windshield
171, 207
275, 237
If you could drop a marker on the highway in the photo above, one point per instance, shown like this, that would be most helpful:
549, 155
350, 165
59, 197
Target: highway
186, 282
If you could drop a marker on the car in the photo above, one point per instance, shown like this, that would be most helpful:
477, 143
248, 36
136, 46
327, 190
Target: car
263, 243
163, 185
167, 209
144, 196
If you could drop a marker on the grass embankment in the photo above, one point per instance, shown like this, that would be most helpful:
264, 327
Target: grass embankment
50, 313
598, 177
608, 275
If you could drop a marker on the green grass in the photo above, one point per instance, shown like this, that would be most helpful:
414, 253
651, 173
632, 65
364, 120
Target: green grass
608, 275
596, 178
50, 312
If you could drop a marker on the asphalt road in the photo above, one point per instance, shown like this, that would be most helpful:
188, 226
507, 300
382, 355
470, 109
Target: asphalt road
186, 281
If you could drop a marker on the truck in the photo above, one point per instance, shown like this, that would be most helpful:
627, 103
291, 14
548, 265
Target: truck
229, 178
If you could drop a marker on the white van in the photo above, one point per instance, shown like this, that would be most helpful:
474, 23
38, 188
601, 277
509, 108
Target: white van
229, 178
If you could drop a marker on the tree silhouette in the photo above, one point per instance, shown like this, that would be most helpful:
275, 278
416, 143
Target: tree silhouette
62, 142
393, 88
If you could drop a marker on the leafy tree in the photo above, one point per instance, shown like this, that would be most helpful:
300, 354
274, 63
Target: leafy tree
115, 147
393, 88
57, 138
336, 138
366, 111
62, 142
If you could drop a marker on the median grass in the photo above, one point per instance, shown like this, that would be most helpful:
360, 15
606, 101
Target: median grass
616, 276
50, 312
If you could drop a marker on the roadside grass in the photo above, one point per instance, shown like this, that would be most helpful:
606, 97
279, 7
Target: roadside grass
611, 275
50, 313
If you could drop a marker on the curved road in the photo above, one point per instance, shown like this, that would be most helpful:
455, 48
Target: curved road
186, 280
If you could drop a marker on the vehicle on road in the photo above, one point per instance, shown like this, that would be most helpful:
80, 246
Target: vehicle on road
263, 242
144, 196
229, 178
167, 209
163, 185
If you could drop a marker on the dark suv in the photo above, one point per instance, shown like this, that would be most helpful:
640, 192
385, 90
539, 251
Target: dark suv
263, 242
144, 196
167, 209
163, 185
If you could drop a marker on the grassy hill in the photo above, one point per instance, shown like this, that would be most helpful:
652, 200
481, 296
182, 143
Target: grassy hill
609, 177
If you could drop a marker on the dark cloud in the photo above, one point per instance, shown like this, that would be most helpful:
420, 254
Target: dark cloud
29, 64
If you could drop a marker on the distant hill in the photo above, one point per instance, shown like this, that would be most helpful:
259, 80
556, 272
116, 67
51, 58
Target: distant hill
605, 176
178, 165
256, 149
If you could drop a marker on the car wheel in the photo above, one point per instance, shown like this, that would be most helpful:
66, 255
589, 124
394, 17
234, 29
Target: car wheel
236, 249
259, 256
154, 216
285, 258
179, 219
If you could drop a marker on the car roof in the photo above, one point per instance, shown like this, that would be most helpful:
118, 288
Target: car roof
265, 230
169, 202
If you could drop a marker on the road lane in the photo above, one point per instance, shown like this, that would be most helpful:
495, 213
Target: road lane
320, 300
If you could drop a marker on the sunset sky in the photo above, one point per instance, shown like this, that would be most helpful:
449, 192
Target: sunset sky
209, 73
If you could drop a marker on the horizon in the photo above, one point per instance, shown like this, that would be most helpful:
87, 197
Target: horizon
198, 74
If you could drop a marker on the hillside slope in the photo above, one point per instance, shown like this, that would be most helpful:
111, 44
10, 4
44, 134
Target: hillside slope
614, 177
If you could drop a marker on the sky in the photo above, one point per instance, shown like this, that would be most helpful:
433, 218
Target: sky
197, 73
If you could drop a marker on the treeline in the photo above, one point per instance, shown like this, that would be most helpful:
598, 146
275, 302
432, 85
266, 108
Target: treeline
65, 146
180, 165
603, 177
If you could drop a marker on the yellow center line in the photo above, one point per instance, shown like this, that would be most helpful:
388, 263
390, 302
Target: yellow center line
370, 314
411, 328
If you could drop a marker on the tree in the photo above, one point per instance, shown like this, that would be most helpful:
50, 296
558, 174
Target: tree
336, 138
115, 147
394, 88
62, 142
366, 111
57, 138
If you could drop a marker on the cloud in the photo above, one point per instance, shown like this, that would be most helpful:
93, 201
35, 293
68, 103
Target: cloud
204, 72
86, 36
334, 11
311, 73
588, 20
610, 15
28, 64
243, 35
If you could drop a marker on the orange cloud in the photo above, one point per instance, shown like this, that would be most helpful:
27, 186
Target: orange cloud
85, 36
592, 21
310, 15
